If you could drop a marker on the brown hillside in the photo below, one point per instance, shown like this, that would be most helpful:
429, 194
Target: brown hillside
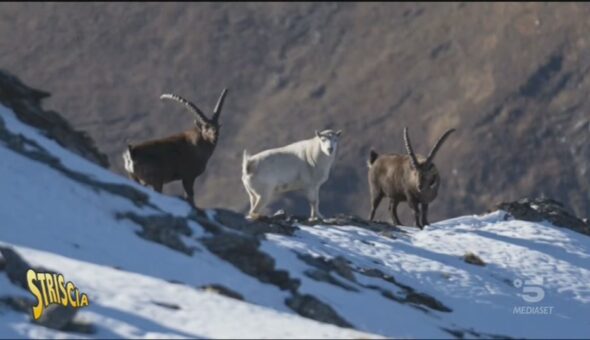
512, 78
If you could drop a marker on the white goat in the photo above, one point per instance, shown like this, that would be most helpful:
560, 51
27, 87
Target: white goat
302, 166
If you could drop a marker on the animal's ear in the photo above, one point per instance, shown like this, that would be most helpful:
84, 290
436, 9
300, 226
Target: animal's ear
339, 133
317, 133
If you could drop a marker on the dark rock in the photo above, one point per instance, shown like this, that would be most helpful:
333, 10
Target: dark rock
2, 262
426, 300
243, 253
17, 303
360, 222
26, 104
16, 267
281, 223
57, 316
440, 49
222, 290
337, 264
409, 296
471, 334
323, 276
539, 209
374, 272
454, 332
176, 282
318, 92
79, 327
539, 80
164, 229
54, 316
273, 225
166, 305
473, 259
310, 307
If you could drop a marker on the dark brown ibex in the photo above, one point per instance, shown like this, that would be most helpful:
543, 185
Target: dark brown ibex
183, 156
411, 178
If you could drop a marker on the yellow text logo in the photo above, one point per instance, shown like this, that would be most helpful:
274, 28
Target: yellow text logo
51, 288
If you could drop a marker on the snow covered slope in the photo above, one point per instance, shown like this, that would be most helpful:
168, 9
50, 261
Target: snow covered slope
153, 267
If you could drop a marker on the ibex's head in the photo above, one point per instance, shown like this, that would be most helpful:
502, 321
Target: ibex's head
201, 121
424, 170
328, 140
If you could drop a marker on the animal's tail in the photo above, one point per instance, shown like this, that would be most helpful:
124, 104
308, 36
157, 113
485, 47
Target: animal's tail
372, 157
246, 166
128, 159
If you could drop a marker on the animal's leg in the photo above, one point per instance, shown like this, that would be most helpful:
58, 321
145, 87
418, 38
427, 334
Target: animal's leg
375, 200
313, 196
424, 208
261, 201
187, 184
252, 214
252, 195
253, 199
393, 210
416, 208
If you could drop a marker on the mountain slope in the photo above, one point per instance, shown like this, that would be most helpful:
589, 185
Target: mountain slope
154, 267
63, 225
511, 77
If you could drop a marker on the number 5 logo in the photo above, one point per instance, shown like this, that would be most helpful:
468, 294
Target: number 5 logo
531, 293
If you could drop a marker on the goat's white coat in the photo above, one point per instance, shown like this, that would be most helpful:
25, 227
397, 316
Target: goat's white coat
301, 166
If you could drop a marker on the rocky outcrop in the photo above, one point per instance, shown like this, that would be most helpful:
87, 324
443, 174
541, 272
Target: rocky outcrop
310, 307
473, 259
25, 102
409, 295
15, 267
163, 229
539, 209
222, 290
278, 224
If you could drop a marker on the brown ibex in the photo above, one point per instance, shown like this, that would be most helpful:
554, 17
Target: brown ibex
411, 178
183, 156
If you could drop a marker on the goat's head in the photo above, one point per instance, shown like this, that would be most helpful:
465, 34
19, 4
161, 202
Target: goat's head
424, 171
328, 140
208, 126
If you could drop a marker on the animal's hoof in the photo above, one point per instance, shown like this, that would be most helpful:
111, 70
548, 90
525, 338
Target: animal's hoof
315, 219
253, 217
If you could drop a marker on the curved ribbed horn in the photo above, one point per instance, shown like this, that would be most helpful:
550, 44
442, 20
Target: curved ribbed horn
198, 113
438, 144
219, 105
409, 148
